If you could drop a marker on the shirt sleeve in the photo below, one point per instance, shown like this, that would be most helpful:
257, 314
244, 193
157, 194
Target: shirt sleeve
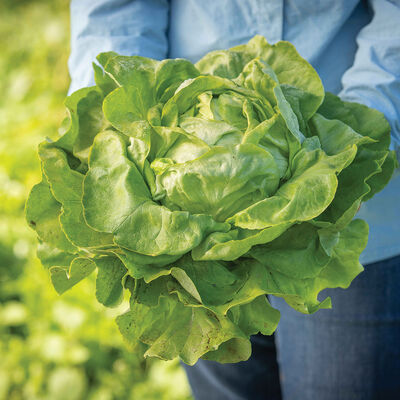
128, 27
374, 78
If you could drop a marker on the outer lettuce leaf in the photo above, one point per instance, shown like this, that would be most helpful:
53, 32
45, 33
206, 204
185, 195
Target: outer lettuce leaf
171, 329
305, 195
66, 186
85, 119
373, 165
251, 318
199, 332
42, 214
50, 256
301, 289
136, 76
109, 290
233, 244
64, 279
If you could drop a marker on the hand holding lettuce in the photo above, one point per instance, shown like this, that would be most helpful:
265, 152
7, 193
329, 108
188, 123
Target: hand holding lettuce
201, 188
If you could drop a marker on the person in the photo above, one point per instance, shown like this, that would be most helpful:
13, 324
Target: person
353, 350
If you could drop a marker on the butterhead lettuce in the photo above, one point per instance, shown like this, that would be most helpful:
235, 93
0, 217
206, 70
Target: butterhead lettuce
202, 188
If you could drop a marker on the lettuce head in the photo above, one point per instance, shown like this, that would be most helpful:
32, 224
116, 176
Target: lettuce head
202, 188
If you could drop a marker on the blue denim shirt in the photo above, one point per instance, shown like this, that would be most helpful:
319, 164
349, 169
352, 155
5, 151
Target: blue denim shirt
354, 45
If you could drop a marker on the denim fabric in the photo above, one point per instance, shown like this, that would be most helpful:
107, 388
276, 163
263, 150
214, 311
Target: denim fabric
351, 352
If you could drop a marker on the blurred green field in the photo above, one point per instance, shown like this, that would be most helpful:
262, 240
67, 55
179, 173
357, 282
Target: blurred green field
52, 347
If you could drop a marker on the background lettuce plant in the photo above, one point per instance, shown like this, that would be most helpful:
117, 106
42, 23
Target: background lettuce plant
201, 188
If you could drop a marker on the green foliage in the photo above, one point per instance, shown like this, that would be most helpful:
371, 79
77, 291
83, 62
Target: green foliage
52, 347
201, 188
